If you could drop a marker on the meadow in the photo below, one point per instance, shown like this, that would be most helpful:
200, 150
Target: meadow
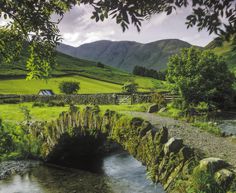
87, 85
13, 112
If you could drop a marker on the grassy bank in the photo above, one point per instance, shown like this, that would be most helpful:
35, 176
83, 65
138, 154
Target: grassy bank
201, 122
13, 112
87, 85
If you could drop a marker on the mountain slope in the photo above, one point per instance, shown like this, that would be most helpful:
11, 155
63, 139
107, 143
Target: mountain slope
126, 54
93, 79
68, 66
225, 49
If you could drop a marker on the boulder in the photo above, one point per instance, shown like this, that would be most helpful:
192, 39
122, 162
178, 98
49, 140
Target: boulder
224, 177
153, 108
173, 145
213, 164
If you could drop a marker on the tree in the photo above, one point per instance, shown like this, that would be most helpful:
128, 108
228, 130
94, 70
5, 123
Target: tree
100, 65
142, 71
69, 87
130, 87
201, 76
31, 26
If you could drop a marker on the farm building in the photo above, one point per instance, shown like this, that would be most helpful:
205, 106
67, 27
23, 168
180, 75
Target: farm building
46, 92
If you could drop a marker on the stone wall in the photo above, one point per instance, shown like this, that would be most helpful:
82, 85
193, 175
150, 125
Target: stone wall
168, 160
99, 99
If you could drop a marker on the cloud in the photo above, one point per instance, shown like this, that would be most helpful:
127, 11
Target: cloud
78, 28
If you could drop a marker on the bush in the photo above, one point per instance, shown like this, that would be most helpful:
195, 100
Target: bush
69, 87
38, 104
56, 104
130, 87
100, 65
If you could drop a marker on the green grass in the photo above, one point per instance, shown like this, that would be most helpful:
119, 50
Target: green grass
13, 113
93, 79
226, 51
208, 127
87, 85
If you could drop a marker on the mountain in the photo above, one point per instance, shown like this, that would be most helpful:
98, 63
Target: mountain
225, 49
68, 66
127, 54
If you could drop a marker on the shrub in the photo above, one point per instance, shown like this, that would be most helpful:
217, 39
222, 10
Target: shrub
100, 65
130, 87
69, 87
56, 104
38, 104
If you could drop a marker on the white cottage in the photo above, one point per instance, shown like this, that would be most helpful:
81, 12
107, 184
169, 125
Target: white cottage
46, 92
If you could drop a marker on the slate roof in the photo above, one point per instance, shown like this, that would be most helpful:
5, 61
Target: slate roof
46, 92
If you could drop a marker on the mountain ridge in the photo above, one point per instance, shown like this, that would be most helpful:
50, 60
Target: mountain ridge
126, 55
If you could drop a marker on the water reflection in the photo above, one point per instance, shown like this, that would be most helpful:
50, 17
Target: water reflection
127, 175
121, 174
227, 122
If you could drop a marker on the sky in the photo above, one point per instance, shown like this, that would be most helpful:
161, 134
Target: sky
77, 28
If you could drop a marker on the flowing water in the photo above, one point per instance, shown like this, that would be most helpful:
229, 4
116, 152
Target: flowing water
227, 122
121, 173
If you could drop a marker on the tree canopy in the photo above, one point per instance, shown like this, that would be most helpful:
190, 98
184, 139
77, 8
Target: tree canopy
201, 76
30, 23
69, 87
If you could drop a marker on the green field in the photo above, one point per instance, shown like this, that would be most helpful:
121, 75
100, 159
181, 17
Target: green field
13, 113
93, 79
87, 85
22, 86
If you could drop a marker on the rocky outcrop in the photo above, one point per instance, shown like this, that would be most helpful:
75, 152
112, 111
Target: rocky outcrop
168, 161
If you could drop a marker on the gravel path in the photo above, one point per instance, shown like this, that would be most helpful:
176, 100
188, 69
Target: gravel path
211, 145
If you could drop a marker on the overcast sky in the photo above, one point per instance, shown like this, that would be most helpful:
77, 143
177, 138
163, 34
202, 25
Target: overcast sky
77, 28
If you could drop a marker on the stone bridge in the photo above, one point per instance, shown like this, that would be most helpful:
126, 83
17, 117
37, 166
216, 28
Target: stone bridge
177, 167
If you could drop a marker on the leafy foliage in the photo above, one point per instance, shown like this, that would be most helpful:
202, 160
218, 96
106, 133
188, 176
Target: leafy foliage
100, 65
6, 141
201, 76
142, 71
130, 87
69, 87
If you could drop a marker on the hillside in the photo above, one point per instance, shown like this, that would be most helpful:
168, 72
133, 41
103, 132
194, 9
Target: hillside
126, 54
93, 79
68, 66
224, 49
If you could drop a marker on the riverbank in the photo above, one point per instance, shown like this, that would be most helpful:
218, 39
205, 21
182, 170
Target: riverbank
8, 168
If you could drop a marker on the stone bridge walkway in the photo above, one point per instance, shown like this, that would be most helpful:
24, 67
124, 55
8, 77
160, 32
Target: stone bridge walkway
211, 145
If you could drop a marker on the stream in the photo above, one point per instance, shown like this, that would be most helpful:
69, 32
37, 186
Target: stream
227, 122
119, 173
